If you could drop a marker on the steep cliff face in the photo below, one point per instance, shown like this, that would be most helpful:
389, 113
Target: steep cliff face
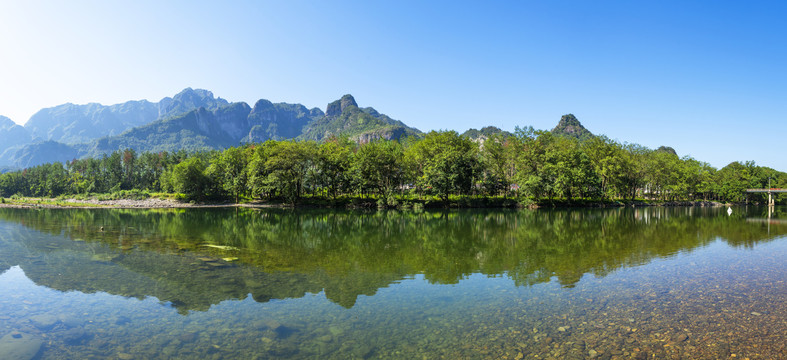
279, 121
256, 134
233, 119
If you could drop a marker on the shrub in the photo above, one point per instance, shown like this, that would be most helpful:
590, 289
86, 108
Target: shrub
392, 202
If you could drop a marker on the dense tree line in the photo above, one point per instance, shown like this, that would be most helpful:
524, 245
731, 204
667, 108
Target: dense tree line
531, 164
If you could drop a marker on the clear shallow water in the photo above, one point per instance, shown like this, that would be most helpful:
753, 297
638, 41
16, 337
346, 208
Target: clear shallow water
243, 283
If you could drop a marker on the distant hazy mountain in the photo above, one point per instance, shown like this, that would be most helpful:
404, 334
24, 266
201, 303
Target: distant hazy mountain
71, 124
570, 126
45, 152
12, 138
343, 117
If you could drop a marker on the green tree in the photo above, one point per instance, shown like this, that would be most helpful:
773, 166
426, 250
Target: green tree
112, 172
531, 175
496, 164
449, 163
129, 158
334, 160
228, 169
281, 167
188, 178
378, 167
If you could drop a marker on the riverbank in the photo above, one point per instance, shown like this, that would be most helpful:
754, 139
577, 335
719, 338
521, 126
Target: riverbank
351, 203
150, 203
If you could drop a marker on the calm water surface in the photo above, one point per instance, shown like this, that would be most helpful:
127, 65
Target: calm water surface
245, 283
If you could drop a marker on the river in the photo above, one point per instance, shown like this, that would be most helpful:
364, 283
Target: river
238, 283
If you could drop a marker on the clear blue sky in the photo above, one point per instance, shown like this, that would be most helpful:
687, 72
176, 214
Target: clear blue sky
707, 78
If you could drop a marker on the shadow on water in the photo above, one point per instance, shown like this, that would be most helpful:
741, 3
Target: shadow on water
195, 258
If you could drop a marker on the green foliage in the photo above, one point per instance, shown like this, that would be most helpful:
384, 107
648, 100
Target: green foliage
354, 159
188, 178
497, 164
440, 169
334, 160
378, 167
228, 169
281, 168
445, 163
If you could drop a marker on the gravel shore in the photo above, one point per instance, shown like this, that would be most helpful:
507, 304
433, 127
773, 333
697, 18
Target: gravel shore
150, 203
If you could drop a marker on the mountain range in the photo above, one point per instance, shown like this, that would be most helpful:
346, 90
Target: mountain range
194, 120
191, 120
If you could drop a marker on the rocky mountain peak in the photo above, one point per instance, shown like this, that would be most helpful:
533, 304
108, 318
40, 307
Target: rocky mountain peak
189, 93
667, 149
337, 107
198, 97
262, 105
570, 126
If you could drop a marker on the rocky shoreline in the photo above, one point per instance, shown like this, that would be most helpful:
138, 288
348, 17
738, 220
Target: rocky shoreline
150, 203
156, 203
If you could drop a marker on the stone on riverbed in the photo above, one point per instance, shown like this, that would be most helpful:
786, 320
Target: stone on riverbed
44, 322
20, 346
73, 336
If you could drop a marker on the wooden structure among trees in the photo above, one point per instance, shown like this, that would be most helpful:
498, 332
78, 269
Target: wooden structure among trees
770, 192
